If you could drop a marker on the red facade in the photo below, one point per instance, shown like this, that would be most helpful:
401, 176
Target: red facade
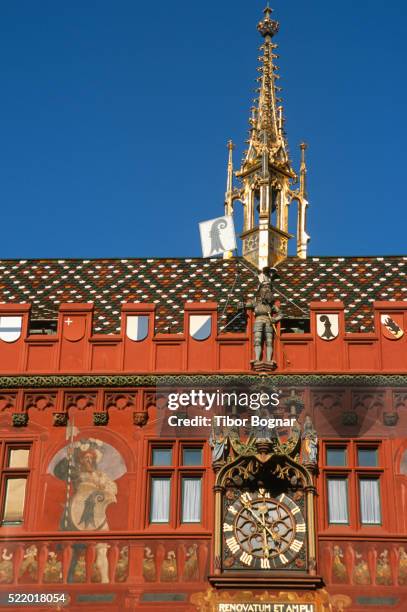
87, 402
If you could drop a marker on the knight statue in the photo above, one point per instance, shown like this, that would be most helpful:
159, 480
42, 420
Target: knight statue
267, 314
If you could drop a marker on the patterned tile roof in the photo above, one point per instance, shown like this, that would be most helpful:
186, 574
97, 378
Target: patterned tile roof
357, 281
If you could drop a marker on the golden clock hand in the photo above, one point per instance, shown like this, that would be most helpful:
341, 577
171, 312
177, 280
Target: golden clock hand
262, 524
265, 545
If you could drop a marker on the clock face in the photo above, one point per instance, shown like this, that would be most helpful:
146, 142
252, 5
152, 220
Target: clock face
263, 533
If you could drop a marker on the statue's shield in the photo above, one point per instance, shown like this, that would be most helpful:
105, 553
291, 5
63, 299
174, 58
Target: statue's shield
88, 509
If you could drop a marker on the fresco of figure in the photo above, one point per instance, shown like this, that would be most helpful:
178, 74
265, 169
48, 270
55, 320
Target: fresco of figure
191, 571
101, 564
169, 572
339, 570
29, 566
402, 573
361, 573
149, 568
6, 567
383, 569
53, 569
89, 467
122, 567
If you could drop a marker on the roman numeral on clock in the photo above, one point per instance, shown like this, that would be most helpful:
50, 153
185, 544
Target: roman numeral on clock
227, 527
246, 497
296, 510
233, 545
246, 559
232, 510
283, 559
296, 545
264, 563
301, 528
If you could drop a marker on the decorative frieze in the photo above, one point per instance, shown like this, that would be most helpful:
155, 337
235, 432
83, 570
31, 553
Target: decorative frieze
40, 401
7, 401
80, 401
120, 401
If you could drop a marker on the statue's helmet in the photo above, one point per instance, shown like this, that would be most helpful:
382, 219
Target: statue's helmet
273, 272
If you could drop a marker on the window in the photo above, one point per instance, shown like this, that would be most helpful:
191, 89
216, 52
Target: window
192, 456
338, 500
352, 476
162, 456
370, 512
175, 473
191, 500
160, 500
367, 457
336, 456
14, 476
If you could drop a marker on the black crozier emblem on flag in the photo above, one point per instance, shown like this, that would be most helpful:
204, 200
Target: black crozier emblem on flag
216, 241
217, 236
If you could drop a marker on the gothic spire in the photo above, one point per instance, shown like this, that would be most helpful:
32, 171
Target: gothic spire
267, 122
266, 176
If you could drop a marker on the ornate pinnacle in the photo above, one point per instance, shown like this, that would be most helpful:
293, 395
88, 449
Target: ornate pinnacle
268, 27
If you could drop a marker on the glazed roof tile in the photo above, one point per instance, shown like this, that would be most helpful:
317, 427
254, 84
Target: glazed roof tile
168, 283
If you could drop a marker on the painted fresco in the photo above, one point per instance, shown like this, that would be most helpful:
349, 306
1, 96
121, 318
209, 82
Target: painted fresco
339, 571
100, 568
53, 568
29, 567
122, 567
6, 567
361, 572
402, 570
149, 567
383, 569
89, 468
169, 572
191, 569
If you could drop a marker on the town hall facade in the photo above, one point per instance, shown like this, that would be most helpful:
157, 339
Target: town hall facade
209, 434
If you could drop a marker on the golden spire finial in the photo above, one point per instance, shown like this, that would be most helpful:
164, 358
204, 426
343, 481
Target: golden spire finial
229, 184
268, 27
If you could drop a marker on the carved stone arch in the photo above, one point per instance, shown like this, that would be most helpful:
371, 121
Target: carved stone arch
282, 460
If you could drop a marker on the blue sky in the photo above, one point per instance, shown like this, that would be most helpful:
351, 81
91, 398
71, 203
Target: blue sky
115, 116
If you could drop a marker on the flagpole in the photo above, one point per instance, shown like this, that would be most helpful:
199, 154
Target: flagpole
69, 476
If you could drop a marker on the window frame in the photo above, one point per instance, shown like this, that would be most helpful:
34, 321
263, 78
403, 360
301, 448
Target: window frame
353, 473
375, 479
8, 473
177, 472
345, 479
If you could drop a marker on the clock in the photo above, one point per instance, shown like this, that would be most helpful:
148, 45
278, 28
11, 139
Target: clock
263, 533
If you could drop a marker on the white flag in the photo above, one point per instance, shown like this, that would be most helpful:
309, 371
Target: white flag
217, 236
